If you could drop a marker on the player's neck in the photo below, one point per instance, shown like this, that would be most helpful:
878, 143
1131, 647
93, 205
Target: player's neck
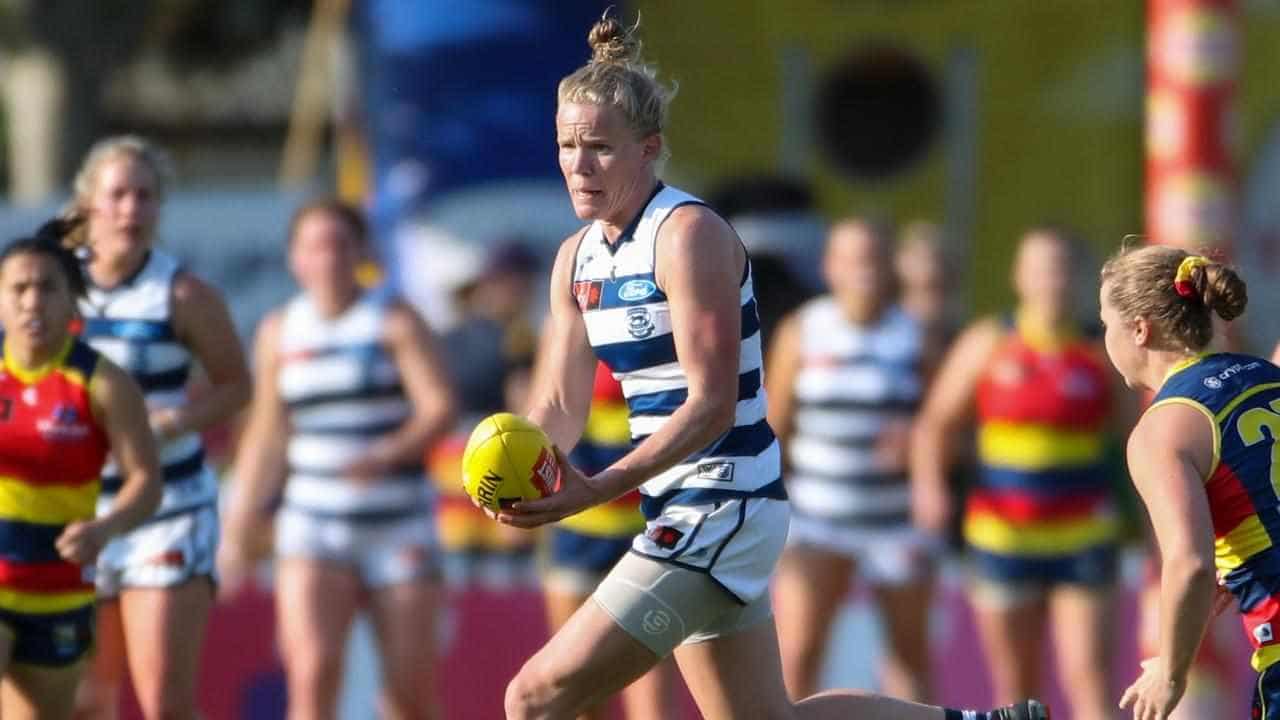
110, 271
1044, 327
622, 219
30, 357
1163, 363
332, 305
862, 310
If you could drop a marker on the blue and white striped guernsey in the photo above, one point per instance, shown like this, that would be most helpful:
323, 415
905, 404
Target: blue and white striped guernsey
132, 325
628, 324
853, 382
343, 391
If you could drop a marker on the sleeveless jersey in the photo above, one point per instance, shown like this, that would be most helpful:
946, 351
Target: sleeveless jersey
606, 438
628, 324
343, 391
51, 454
1240, 394
132, 324
852, 383
1042, 488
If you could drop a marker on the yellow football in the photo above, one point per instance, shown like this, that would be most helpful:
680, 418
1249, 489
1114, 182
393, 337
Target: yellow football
508, 459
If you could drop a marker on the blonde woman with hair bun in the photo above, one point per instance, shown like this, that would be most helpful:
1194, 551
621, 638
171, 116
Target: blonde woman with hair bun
155, 319
659, 288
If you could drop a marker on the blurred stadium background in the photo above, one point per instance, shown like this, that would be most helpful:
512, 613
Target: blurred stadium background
986, 116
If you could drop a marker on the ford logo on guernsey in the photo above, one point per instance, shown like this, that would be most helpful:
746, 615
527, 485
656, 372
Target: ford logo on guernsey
633, 290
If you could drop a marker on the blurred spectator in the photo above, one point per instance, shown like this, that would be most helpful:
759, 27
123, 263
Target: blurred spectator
493, 337
1040, 523
349, 389
489, 351
845, 378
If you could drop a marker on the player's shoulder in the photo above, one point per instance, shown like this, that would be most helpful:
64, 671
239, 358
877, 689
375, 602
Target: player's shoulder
694, 232
191, 290
985, 331
568, 248
1215, 380
696, 217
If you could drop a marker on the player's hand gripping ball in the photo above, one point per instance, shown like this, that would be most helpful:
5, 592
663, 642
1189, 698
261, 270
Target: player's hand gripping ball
508, 459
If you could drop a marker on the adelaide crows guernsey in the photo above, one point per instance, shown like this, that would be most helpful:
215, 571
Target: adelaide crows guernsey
1042, 489
51, 454
605, 440
1240, 395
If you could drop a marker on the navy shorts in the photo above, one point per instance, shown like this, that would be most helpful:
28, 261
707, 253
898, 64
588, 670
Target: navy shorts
50, 639
1095, 567
1006, 581
1266, 694
587, 553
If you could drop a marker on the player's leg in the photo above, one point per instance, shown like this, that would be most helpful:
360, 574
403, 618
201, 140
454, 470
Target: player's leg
1012, 634
904, 608
650, 695
33, 692
315, 603
166, 596
561, 604
164, 631
404, 621
44, 658
738, 675
568, 581
98, 697
576, 564
588, 659
401, 570
1008, 598
1083, 628
810, 586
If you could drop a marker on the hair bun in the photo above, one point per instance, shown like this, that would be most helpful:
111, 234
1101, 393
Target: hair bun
1221, 290
612, 43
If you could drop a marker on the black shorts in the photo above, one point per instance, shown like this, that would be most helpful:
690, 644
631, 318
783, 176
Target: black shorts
50, 639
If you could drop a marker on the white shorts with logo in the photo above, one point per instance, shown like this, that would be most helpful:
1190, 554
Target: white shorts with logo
160, 553
736, 542
382, 552
891, 556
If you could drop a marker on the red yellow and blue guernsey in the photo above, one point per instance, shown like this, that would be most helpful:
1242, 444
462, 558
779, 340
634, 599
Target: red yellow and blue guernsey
51, 453
1240, 394
1041, 508
596, 538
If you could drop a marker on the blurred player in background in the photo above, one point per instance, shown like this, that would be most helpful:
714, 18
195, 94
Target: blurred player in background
349, 390
582, 548
63, 407
926, 285
157, 320
846, 375
1040, 523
